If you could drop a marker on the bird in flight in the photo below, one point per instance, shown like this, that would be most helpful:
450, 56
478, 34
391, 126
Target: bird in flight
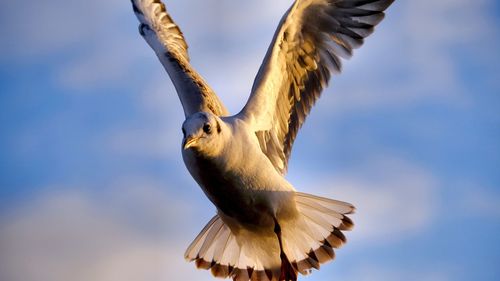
264, 229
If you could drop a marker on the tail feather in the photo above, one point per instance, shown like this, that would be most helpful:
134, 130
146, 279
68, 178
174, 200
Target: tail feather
251, 255
208, 248
310, 239
198, 242
334, 206
304, 242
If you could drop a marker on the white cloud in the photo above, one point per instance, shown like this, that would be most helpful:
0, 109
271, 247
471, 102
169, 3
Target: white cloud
78, 236
379, 273
395, 199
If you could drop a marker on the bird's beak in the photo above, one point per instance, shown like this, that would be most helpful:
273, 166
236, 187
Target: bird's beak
189, 141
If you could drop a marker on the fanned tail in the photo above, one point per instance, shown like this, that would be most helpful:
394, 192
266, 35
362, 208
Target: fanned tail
294, 245
310, 239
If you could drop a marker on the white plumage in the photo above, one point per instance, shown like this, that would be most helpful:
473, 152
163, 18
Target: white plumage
264, 229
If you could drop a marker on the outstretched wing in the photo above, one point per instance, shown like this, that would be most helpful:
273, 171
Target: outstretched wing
166, 39
307, 48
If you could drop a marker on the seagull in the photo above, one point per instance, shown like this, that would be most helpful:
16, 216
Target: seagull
264, 229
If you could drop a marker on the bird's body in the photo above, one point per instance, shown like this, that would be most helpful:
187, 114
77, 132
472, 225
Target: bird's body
250, 191
264, 229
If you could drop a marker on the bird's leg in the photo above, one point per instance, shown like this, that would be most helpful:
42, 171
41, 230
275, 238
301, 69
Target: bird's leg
288, 273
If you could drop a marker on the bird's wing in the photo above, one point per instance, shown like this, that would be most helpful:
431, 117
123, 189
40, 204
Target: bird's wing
307, 48
166, 39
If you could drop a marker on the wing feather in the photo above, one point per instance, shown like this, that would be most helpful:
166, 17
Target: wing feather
167, 40
307, 48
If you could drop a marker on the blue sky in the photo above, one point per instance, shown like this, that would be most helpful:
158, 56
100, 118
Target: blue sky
92, 185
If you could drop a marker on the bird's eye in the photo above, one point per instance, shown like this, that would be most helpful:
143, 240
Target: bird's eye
207, 128
183, 132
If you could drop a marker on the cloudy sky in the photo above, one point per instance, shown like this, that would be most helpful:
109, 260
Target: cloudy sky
92, 185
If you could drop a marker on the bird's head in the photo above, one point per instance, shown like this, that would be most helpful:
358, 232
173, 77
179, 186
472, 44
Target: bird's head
202, 133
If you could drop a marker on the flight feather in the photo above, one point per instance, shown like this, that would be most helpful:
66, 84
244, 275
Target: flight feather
312, 39
167, 40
